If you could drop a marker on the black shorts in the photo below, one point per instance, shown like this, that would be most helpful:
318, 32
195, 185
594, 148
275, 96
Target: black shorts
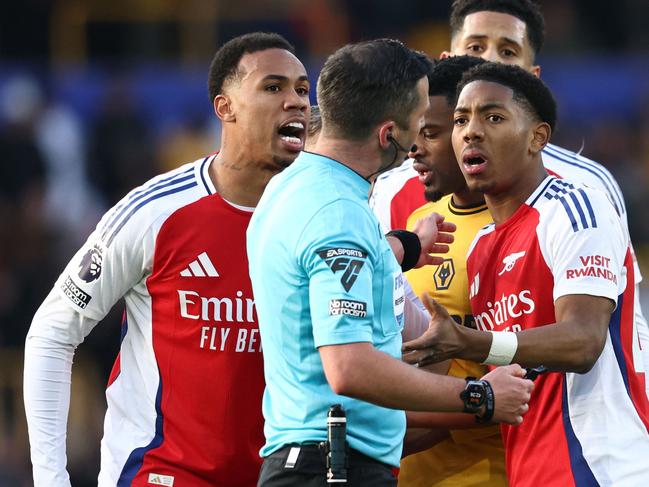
310, 470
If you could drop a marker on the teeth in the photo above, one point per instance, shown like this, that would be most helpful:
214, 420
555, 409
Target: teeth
290, 140
297, 125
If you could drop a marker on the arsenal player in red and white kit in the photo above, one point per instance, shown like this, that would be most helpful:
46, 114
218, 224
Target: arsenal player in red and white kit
510, 32
184, 397
551, 283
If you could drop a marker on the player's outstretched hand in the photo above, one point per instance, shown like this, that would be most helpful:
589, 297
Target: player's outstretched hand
511, 393
440, 342
434, 234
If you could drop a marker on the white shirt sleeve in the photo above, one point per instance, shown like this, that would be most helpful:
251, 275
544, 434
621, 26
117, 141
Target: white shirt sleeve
108, 265
385, 188
584, 244
46, 388
379, 202
417, 317
102, 271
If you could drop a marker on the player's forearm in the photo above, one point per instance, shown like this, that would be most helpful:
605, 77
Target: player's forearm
443, 421
417, 440
469, 344
360, 371
46, 391
561, 347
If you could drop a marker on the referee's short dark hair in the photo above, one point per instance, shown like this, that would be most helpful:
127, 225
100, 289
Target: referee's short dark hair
363, 84
529, 91
315, 122
526, 10
225, 63
447, 73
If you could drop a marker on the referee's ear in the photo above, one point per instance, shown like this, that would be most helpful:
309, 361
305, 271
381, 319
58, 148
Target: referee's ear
223, 108
385, 134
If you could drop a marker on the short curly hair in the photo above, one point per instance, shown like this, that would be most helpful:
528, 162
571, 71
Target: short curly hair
226, 60
447, 73
529, 91
526, 10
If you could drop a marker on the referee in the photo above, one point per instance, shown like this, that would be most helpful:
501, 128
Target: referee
329, 291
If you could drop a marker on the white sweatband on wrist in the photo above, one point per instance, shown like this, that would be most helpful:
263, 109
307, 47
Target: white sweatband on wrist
503, 348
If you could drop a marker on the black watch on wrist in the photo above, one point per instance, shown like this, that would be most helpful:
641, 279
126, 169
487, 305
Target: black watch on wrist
474, 395
478, 393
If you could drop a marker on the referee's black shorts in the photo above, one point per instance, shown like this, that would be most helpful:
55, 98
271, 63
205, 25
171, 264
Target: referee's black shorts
309, 469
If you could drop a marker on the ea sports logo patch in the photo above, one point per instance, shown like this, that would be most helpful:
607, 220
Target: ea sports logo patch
90, 266
349, 261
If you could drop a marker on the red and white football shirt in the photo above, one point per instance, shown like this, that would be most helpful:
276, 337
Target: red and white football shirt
581, 429
184, 397
397, 193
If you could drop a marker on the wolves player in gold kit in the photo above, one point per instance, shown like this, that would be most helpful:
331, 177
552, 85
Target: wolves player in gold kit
470, 454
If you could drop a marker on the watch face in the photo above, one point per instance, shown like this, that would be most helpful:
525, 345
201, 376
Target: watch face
474, 395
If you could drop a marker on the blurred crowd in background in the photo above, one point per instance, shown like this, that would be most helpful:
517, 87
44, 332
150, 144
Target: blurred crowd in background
98, 96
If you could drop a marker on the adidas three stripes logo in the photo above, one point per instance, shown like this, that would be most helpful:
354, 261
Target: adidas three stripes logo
200, 267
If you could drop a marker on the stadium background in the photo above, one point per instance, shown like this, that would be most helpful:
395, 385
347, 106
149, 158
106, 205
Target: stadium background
96, 96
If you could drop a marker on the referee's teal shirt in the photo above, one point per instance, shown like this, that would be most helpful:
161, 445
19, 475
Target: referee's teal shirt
322, 274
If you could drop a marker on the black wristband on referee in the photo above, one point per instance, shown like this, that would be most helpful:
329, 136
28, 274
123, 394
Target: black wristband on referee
490, 404
411, 247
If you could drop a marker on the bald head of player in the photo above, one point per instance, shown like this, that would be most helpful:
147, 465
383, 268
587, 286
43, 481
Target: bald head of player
260, 93
503, 118
506, 31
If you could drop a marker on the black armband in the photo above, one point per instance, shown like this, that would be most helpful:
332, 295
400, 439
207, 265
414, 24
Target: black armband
411, 247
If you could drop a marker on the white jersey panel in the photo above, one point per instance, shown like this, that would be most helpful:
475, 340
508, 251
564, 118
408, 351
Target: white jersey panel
386, 186
581, 239
593, 265
114, 263
585, 245
119, 253
577, 168
131, 414
417, 317
574, 167
130, 421
613, 439
641, 341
